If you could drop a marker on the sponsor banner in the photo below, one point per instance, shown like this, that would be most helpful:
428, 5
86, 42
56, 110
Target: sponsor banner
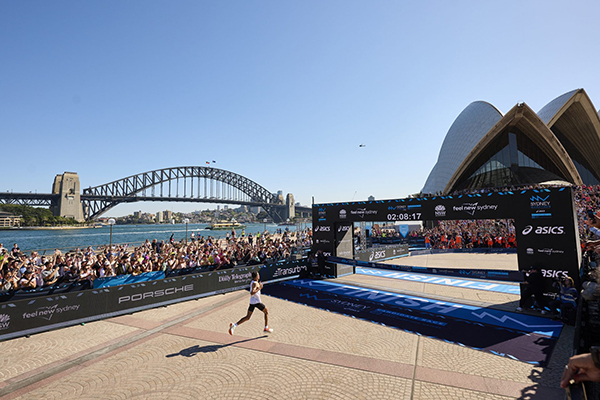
22, 317
533, 204
442, 280
128, 279
547, 235
344, 244
381, 252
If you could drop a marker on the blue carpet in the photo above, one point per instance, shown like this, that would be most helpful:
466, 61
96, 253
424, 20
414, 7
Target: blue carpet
517, 336
441, 280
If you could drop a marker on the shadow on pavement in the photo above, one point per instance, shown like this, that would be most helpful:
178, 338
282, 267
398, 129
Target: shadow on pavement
192, 351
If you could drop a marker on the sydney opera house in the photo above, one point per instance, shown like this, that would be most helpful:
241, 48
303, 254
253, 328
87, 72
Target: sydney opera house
485, 148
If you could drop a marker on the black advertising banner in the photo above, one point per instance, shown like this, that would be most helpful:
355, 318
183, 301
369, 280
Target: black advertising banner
323, 238
344, 243
547, 235
23, 317
545, 223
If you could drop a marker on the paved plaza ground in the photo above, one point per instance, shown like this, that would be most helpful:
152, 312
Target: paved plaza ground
183, 351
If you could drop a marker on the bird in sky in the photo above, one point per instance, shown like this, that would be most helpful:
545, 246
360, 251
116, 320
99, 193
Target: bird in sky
362, 145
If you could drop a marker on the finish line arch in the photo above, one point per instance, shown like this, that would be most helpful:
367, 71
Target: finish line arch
545, 223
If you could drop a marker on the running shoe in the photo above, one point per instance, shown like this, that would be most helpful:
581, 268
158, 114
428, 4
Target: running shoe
231, 328
268, 330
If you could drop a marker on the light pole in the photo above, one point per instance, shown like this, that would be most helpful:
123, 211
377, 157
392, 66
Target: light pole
265, 221
111, 222
187, 221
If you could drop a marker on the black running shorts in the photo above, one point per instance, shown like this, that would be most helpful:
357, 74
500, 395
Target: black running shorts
260, 306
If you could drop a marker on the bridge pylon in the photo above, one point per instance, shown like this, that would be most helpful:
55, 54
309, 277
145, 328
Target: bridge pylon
68, 205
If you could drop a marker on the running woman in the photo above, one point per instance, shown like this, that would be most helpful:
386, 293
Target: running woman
255, 302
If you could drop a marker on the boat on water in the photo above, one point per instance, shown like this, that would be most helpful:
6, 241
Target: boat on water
225, 226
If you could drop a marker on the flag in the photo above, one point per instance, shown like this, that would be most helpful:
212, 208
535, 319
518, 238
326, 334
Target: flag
208, 162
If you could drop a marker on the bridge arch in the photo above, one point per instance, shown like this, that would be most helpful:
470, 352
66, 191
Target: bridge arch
234, 189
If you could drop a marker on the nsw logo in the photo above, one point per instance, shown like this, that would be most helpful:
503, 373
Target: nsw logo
342, 214
4, 321
440, 210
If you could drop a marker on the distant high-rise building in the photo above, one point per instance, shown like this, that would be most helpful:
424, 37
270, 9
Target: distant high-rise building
168, 215
160, 217
137, 214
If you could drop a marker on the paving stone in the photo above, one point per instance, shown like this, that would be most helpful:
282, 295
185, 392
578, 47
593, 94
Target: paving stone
183, 352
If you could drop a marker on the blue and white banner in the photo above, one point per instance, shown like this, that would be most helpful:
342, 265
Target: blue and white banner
521, 337
440, 280
510, 320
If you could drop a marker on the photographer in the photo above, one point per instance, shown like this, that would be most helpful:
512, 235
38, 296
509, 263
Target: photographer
533, 285
50, 273
566, 302
28, 280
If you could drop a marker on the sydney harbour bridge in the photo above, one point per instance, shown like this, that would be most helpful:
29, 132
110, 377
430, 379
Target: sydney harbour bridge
176, 184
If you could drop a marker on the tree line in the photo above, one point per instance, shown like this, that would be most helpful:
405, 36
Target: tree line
36, 216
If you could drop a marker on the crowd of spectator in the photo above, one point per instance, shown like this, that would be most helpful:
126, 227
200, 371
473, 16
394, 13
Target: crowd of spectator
469, 234
587, 200
21, 271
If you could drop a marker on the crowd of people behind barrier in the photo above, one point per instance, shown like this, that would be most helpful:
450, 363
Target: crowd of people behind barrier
21, 271
469, 234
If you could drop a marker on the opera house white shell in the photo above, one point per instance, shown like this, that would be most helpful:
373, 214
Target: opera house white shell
484, 148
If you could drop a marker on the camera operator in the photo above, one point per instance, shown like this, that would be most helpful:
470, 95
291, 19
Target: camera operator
533, 285
566, 302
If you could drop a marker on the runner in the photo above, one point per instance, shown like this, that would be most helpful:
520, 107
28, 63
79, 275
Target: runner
255, 302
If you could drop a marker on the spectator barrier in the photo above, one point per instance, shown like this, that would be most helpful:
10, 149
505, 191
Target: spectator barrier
497, 275
381, 253
21, 294
39, 314
478, 250
128, 279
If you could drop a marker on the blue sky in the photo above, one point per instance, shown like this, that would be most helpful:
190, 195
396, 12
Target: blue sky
280, 92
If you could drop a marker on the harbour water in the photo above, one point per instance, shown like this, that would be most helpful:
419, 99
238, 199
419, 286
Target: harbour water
66, 239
